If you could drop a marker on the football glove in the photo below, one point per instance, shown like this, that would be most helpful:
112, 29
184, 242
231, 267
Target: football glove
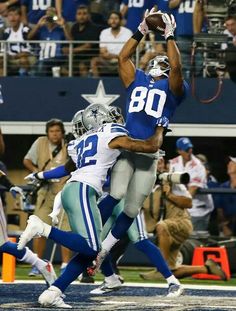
34, 176
170, 23
17, 190
143, 27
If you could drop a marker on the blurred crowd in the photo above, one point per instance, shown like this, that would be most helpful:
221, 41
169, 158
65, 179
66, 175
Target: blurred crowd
101, 28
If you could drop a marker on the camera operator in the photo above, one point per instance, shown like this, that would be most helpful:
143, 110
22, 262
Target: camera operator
187, 162
166, 214
48, 152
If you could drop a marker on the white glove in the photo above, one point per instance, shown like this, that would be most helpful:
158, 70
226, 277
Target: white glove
17, 190
34, 176
169, 20
55, 220
143, 27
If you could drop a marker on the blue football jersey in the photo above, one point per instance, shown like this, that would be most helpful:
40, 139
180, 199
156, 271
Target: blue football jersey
36, 9
136, 9
184, 18
149, 103
50, 49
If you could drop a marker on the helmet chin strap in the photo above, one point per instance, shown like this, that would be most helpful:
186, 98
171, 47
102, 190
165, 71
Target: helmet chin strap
157, 72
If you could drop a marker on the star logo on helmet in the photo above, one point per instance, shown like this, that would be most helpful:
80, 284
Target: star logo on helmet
100, 97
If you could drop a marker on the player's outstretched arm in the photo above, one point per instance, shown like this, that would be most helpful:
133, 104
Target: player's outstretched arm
175, 76
150, 145
126, 66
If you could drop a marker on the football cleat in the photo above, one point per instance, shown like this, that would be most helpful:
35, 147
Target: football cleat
107, 287
92, 270
175, 290
35, 228
53, 297
48, 273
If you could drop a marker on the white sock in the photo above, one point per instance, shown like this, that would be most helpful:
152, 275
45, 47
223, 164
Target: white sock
111, 278
172, 280
109, 242
33, 259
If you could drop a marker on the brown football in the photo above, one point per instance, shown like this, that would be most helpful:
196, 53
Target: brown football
155, 22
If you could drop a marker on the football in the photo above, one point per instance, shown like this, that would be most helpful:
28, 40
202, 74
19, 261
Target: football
155, 22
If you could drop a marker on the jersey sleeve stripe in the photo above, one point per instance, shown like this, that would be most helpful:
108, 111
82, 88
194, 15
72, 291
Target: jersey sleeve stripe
119, 130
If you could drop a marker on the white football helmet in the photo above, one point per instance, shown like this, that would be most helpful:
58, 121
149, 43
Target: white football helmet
78, 128
96, 115
159, 66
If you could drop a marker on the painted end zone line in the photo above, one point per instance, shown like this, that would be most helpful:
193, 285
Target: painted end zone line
153, 285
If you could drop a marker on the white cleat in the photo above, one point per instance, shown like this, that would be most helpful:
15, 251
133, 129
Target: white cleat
107, 287
34, 228
48, 273
175, 290
52, 297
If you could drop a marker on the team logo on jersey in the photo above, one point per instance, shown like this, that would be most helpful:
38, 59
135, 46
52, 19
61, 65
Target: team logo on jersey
100, 97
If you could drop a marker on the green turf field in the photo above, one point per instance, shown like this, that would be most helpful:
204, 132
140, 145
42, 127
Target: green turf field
130, 274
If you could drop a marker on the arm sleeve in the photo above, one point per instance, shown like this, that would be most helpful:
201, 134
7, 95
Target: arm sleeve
57, 172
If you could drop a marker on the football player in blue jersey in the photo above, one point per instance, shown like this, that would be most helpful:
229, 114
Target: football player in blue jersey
92, 155
152, 98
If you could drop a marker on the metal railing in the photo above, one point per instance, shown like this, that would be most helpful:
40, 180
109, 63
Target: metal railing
72, 63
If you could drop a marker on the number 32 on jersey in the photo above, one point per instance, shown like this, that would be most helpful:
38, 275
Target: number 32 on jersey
144, 99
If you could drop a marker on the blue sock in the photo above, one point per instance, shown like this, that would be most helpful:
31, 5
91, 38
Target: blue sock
11, 248
106, 266
122, 224
71, 240
74, 268
155, 256
106, 207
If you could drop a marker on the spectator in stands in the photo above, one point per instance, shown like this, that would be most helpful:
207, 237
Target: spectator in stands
4, 6
184, 33
187, 162
166, 215
32, 11
20, 57
226, 204
49, 28
48, 152
67, 9
133, 11
112, 40
230, 46
83, 30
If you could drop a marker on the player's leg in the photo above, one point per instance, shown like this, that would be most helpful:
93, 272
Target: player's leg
79, 201
25, 254
137, 234
111, 281
140, 186
120, 177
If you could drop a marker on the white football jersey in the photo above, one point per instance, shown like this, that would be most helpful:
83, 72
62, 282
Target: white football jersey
202, 203
92, 155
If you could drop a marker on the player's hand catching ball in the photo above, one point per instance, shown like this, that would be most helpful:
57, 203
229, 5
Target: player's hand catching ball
170, 25
143, 27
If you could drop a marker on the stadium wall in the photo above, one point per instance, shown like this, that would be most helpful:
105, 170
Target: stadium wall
27, 103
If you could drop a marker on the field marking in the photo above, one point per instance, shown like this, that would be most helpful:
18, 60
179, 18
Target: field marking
129, 284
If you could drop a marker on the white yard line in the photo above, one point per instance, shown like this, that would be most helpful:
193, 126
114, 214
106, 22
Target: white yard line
151, 285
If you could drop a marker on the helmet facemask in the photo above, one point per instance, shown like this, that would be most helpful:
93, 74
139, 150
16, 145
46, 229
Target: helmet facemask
116, 115
78, 128
159, 66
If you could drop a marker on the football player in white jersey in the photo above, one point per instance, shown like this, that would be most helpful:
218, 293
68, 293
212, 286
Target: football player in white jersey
92, 155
